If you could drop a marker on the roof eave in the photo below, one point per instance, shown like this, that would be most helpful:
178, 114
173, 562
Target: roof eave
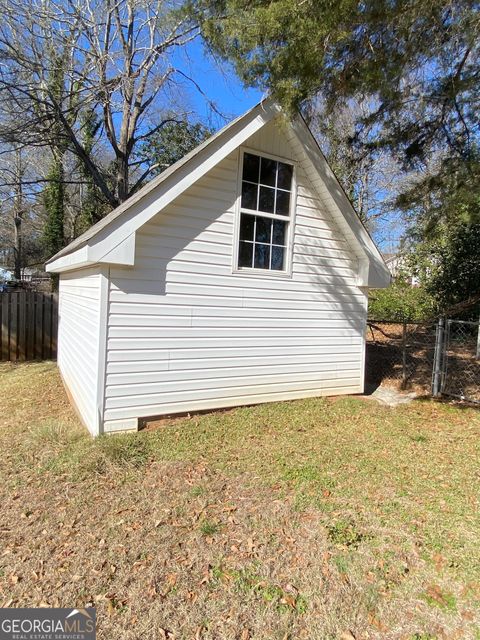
169, 184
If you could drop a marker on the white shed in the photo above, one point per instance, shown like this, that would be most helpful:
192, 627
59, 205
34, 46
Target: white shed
237, 276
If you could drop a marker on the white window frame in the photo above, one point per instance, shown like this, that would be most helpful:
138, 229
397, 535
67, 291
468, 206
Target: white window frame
286, 272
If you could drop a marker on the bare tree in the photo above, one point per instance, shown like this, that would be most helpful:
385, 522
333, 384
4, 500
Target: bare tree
20, 218
371, 177
117, 60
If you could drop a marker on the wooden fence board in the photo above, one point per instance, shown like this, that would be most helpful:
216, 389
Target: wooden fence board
28, 325
22, 320
14, 327
38, 326
54, 325
30, 329
5, 327
47, 328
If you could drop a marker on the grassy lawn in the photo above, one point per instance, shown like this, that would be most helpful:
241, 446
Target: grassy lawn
316, 519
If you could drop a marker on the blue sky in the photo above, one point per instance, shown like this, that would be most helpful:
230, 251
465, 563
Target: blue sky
218, 81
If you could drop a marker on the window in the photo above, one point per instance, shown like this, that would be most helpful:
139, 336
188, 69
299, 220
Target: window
265, 201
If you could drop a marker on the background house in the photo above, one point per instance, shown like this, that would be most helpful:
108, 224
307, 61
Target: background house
237, 276
398, 265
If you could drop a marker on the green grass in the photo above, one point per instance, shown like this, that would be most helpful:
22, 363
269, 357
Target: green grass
315, 516
209, 528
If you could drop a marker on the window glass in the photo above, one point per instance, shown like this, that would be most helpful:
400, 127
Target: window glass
266, 201
278, 235
282, 207
268, 172
262, 256
251, 167
245, 254
266, 189
277, 258
285, 175
249, 195
247, 225
263, 229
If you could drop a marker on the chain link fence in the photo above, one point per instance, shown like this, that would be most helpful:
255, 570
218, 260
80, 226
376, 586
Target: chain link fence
400, 354
415, 356
461, 361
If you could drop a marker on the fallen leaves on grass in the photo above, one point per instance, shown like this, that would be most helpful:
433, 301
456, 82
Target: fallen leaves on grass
319, 519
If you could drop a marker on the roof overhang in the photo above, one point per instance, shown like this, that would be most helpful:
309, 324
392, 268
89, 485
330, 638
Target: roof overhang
90, 254
103, 238
112, 240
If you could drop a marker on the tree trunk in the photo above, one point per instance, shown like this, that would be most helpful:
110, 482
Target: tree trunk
18, 217
17, 251
122, 178
54, 201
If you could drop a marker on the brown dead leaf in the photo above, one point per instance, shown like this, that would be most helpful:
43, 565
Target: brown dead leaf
229, 508
289, 600
288, 538
435, 592
245, 635
347, 635
170, 582
151, 591
375, 622
172, 579
439, 561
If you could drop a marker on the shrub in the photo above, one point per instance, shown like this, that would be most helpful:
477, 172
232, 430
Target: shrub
401, 301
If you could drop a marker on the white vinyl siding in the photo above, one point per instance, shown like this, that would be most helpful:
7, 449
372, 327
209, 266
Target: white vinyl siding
78, 340
186, 332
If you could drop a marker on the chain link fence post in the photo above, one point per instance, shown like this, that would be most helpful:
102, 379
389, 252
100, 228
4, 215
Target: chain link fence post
478, 341
438, 358
404, 355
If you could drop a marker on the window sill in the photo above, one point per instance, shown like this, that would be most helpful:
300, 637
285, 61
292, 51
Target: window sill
262, 273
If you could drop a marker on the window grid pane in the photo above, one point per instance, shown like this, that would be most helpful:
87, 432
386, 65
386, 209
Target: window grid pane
266, 183
262, 242
273, 182
245, 254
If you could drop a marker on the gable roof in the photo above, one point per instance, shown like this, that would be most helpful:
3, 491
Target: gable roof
112, 239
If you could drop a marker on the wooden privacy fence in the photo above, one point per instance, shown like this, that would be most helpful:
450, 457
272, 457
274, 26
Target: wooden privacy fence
28, 325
